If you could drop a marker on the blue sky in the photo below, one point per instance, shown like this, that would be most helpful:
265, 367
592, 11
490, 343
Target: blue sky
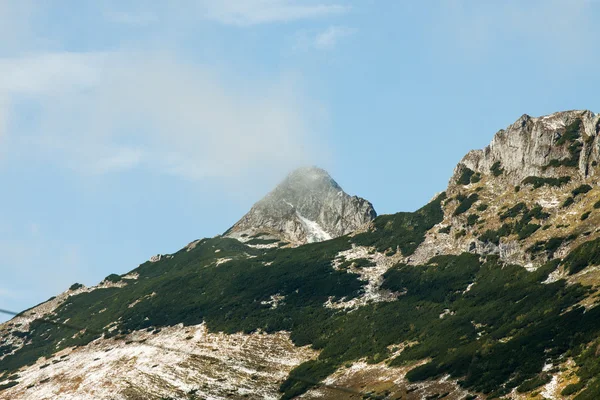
130, 128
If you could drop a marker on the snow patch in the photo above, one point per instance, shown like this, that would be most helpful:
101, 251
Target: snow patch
314, 231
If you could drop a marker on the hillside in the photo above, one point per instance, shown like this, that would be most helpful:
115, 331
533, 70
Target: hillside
489, 291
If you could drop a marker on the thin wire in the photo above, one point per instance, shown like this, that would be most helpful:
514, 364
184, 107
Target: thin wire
158, 346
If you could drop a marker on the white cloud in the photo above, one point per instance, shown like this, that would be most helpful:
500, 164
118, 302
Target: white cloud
102, 112
49, 73
330, 37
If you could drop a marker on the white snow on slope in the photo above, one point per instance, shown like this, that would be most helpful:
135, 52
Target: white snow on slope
314, 232
170, 363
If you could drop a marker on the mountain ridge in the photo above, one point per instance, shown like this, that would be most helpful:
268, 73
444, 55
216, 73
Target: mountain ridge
491, 290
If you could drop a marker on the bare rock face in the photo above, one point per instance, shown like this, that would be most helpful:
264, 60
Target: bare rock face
560, 144
308, 206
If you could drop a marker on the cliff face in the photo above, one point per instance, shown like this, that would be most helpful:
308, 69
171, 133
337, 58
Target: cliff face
534, 184
548, 146
308, 206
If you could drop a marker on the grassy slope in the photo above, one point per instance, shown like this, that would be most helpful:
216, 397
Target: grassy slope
501, 333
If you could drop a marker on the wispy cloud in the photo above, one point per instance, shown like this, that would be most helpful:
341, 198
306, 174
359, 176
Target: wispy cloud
102, 112
331, 36
252, 12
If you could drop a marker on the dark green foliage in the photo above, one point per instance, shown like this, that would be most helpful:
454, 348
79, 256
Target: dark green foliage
493, 236
534, 383
6, 349
465, 176
570, 137
584, 255
506, 301
357, 263
256, 241
597, 204
523, 227
496, 169
585, 215
75, 286
548, 246
517, 189
572, 388
581, 189
114, 278
445, 229
423, 372
589, 371
403, 230
571, 133
537, 213
460, 234
8, 385
482, 207
465, 203
569, 201
476, 177
513, 211
527, 230
472, 219
538, 181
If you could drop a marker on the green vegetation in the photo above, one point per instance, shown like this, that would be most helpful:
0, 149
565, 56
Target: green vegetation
465, 203
581, 189
113, 278
585, 215
472, 219
465, 176
584, 255
570, 137
534, 383
597, 204
501, 332
445, 229
571, 133
513, 211
538, 181
523, 227
482, 207
549, 246
569, 201
572, 388
256, 241
8, 385
75, 286
476, 177
493, 236
357, 263
404, 230
496, 169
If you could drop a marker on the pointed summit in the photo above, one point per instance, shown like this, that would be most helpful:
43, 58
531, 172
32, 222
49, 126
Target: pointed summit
307, 206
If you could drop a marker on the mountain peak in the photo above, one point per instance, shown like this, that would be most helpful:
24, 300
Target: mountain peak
556, 145
307, 206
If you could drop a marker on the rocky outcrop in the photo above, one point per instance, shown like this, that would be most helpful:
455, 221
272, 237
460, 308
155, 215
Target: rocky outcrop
560, 144
308, 206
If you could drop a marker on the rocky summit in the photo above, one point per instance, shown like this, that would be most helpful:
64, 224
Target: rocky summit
308, 206
489, 291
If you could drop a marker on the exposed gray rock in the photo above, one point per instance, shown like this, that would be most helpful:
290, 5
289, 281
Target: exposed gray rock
527, 147
308, 206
